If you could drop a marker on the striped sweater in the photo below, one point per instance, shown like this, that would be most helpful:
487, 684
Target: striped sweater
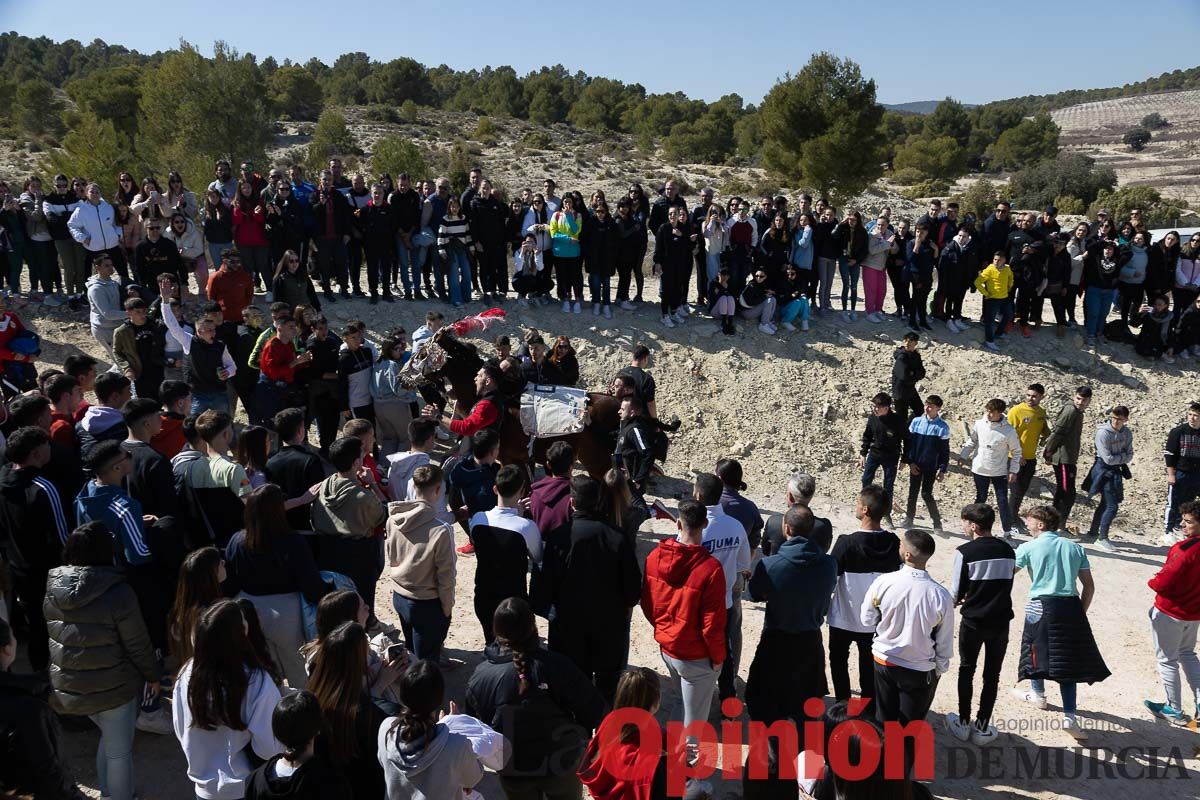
982, 580
861, 557
454, 236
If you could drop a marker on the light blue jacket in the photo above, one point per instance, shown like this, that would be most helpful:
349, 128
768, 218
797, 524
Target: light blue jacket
802, 249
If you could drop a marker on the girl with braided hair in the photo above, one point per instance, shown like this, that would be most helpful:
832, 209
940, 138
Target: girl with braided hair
540, 701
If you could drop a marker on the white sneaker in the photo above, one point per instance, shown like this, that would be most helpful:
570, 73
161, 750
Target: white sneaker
958, 728
953, 328
787, 326
1010, 535
766, 328
804, 325
628, 306
154, 722
685, 309
608, 312
1073, 728
1106, 545
577, 308
666, 320
566, 306
1029, 696
1170, 538
681, 315
981, 737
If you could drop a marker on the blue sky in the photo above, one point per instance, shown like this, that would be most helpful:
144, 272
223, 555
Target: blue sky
972, 52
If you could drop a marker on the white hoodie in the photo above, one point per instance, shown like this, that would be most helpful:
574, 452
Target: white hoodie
994, 448
216, 759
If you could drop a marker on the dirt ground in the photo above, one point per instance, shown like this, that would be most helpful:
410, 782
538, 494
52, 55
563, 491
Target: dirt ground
798, 401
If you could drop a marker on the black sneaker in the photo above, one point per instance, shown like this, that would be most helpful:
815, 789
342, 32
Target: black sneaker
359, 292
330, 296
388, 297
345, 294
374, 300
416, 295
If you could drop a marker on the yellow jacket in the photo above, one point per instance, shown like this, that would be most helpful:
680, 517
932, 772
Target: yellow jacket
994, 284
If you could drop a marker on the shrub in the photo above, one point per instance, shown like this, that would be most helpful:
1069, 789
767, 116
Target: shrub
681, 182
485, 132
395, 154
408, 111
1154, 121
1137, 139
1068, 174
1066, 204
736, 186
942, 157
907, 176
924, 189
332, 137
1026, 143
536, 140
380, 113
1156, 209
978, 199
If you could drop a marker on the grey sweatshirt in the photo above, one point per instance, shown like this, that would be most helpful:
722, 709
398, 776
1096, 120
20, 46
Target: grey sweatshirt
1114, 447
437, 770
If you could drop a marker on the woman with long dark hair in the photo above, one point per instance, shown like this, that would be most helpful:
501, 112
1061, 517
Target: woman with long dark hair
199, 586
224, 698
345, 605
565, 228
126, 189
562, 355
150, 203
250, 232
350, 719
272, 566
539, 700
421, 756
180, 200
291, 283
217, 222
617, 756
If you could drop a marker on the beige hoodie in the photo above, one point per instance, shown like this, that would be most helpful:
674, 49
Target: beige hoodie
420, 553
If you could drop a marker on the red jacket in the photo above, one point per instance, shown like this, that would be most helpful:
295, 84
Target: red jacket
683, 597
234, 290
10, 326
276, 360
249, 229
170, 440
1177, 584
483, 415
616, 770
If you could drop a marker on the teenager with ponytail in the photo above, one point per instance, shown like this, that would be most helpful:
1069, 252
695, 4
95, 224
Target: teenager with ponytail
539, 700
421, 756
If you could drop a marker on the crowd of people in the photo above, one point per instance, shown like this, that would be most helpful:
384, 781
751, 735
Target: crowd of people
151, 548
771, 265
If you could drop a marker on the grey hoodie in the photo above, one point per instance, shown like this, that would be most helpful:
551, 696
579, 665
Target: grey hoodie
104, 302
1114, 447
435, 770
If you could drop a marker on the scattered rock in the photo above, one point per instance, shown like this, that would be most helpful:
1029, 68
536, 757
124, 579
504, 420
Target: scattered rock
1063, 361
1131, 382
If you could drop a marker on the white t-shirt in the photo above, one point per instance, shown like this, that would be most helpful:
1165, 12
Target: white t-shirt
511, 520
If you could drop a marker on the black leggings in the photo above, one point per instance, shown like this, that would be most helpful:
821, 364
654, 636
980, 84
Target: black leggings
1131, 300
839, 663
569, 274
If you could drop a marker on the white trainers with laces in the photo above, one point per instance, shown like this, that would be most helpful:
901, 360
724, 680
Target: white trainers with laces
981, 737
1029, 696
1106, 545
958, 728
1073, 728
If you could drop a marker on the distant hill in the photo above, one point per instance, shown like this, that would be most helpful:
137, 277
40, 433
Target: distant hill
917, 106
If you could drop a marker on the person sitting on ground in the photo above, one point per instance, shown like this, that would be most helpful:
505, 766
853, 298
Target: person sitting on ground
297, 772
1156, 336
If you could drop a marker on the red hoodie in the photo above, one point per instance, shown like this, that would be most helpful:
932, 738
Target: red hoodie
683, 597
616, 770
1177, 584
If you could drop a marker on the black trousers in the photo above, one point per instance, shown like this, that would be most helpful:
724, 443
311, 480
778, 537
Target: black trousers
903, 695
597, 649
918, 306
493, 268
993, 640
788, 668
324, 408
1064, 491
30, 590
839, 662
909, 403
1016, 492
354, 258
627, 269
923, 484
701, 259
895, 273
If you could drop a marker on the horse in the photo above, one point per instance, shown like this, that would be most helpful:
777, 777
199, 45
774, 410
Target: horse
447, 358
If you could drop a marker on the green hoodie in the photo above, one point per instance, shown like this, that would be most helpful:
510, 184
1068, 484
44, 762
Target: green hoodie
345, 508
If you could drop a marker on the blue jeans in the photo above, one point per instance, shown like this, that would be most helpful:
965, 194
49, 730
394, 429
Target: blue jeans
114, 754
205, 401
889, 475
849, 276
1000, 484
1096, 305
409, 259
1112, 492
796, 309
601, 287
458, 273
424, 625
1185, 488
1068, 693
214, 255
712, 265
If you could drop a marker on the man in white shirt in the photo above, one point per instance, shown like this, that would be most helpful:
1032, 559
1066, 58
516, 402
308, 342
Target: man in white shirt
725, 538
502, 558
913, 616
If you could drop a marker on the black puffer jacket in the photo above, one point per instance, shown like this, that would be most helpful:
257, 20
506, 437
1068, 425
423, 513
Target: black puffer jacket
31, 757
1059, 645
100, 653
550, 726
